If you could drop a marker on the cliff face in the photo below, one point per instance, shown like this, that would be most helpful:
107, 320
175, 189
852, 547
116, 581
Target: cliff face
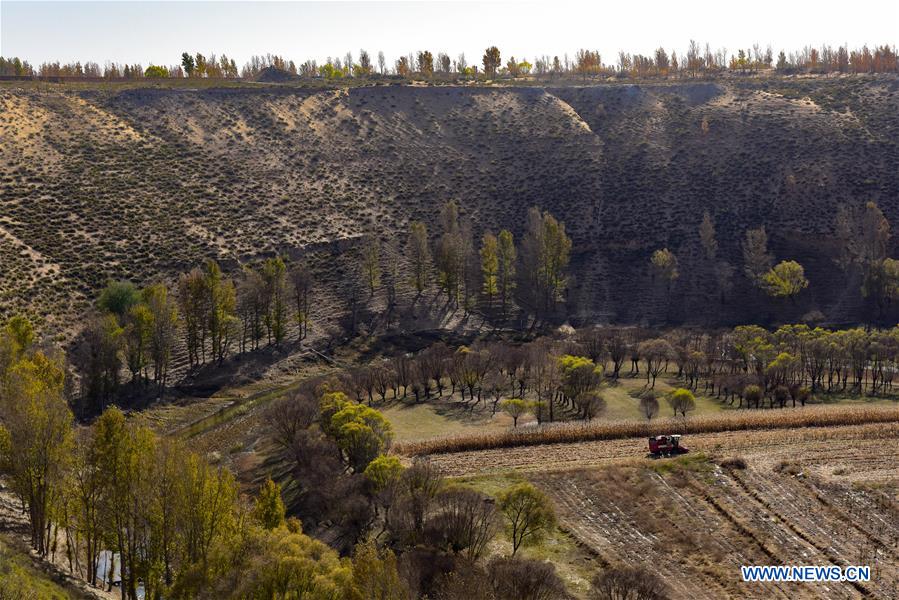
144, 183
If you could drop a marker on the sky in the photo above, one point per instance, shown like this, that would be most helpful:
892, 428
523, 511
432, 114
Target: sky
158, 32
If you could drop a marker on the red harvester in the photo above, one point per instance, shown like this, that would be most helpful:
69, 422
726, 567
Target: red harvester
666, 445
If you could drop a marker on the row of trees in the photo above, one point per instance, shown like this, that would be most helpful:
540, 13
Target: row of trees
207, 315
210, 315
169, 522
789, 364
696, 60
862, 234
535, 274
115, 498
565, 377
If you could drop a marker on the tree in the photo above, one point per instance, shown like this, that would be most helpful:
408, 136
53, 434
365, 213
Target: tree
117, 298
785, 280
591, 404
649, 405
664, 266
546, 250
528, 512
506, 257
419, 256
525, 579
491, 61
279, 563
99, 361
365, 67
193, 306
707, 236
682, 401
579, 375
756, 260
138, 323
36, 440
361, 433
464, 522
187, 63
274, 279
125, 450
864, 236
371, 264
656, 352
155, 71
268, 509
375, 575
301, 285
20, 333
627, 583
163, 324
425, 63
515, 408
489, 266
451, 252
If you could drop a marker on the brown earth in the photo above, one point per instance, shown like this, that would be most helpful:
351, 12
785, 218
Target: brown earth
815, 496
143, 183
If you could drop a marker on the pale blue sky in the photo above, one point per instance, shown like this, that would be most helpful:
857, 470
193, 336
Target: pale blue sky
157, 32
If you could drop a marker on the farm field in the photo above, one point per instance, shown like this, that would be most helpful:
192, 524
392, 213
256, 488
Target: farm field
813, 496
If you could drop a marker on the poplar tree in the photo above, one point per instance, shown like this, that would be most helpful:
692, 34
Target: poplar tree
506, 272
419, 256
489, 266
371, 264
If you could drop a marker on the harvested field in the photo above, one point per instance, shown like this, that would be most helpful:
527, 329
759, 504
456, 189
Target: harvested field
818, 416
804, 496
872, 450
695, 524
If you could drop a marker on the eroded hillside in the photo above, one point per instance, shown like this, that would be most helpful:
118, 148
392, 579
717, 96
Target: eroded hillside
143, 183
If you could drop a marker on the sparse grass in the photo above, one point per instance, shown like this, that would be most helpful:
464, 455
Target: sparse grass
788, 418
20, 580
426, 420
575, 564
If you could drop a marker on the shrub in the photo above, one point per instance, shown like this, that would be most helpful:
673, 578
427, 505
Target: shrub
735, 462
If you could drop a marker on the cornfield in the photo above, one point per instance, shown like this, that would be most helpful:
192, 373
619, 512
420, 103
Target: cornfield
561, 433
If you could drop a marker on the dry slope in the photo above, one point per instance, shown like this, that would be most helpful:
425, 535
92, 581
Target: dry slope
141, 183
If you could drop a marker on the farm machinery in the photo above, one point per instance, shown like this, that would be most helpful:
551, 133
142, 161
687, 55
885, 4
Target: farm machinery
666, 445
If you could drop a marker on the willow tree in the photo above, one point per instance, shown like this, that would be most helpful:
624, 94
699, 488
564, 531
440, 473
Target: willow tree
785, 280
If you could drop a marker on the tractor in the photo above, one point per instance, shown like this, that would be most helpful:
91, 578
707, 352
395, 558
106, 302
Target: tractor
666, 445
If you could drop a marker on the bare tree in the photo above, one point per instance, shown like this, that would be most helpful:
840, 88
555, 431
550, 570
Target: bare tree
301, 286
